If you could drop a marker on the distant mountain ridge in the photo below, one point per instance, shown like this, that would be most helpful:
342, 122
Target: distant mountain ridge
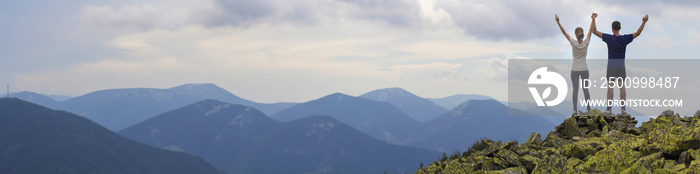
210, 129
453, 101
418, 108
448, 132
33, 97
36, 139
116, 109
474, 119
241, 139
381, 120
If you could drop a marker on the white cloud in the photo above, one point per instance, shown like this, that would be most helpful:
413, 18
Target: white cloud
489, 20
351, 57
694, 37
281, 50
663, 42
155, 15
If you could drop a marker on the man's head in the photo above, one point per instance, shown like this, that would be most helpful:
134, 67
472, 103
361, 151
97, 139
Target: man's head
616, 26
579, 33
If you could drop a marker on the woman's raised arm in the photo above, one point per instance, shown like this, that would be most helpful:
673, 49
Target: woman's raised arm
562, 28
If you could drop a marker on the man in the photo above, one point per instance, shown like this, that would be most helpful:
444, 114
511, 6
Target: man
617, 44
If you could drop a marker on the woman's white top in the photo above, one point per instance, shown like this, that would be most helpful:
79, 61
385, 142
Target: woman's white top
579, 50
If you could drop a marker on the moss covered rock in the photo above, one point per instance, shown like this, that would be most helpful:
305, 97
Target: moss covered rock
535, 139
554, 162
591, 144
582, 149
571, 129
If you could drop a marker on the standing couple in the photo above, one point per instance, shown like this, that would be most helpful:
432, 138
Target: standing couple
617, 44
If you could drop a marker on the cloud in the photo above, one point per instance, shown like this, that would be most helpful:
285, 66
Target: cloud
496, 20
308, 48
148, 16
663, 42
394, 12
694, 37
491, 20
246, 13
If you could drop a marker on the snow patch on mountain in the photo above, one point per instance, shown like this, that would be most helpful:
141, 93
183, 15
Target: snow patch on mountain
154, 131
216, 109
240, 120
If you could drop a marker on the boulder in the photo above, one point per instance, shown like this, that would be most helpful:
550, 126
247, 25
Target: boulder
571, 129
592, 144
535, 139
553, 163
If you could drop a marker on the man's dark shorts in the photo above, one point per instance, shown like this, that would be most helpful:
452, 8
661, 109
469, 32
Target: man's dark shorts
616, 72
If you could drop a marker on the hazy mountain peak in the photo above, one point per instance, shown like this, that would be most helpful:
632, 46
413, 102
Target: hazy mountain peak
453, 101
335, 97
243, 114
478, 103
61, 142
318, 125
216, 107
191, 86
33, 97
387, 93
196, 88
417, 107
474, 105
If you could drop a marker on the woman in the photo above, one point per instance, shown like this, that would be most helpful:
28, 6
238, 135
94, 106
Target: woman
579, 69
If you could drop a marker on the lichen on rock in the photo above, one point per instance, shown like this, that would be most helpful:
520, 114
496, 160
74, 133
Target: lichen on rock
596, 143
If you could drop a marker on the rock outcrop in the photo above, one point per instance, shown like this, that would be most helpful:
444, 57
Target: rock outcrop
596, 143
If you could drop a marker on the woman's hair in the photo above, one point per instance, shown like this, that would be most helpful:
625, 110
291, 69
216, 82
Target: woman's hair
579, 33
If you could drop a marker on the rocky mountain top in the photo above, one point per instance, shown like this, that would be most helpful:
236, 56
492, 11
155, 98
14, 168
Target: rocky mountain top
596, 143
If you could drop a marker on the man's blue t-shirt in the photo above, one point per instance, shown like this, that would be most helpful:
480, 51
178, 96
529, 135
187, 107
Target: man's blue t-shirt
616, 48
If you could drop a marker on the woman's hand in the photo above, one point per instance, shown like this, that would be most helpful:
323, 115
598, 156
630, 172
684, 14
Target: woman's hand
556, 17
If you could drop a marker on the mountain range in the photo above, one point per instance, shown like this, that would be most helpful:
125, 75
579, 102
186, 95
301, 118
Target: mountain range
451, 102
418, 108
241, 139
378, 119
40, 99
36, 139
376, 113
450, 131
474, 119
333, 134
116, 109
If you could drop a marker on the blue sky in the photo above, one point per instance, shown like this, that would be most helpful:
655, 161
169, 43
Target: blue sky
279, 50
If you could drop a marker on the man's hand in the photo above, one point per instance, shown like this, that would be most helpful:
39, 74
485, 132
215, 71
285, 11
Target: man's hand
594, 29
556, 17
645, 18
641, 27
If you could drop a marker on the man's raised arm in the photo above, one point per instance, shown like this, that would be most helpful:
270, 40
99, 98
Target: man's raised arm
590, 29
641, 27
593, 27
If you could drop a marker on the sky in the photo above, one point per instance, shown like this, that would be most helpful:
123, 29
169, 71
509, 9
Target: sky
299, 50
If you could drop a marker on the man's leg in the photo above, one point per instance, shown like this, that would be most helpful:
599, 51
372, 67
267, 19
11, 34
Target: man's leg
610, 95
623, 96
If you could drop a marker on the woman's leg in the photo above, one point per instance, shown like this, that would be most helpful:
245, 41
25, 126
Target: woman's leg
574, 81
585, 75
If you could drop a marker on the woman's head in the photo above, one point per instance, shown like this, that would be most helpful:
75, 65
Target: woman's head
579, 33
